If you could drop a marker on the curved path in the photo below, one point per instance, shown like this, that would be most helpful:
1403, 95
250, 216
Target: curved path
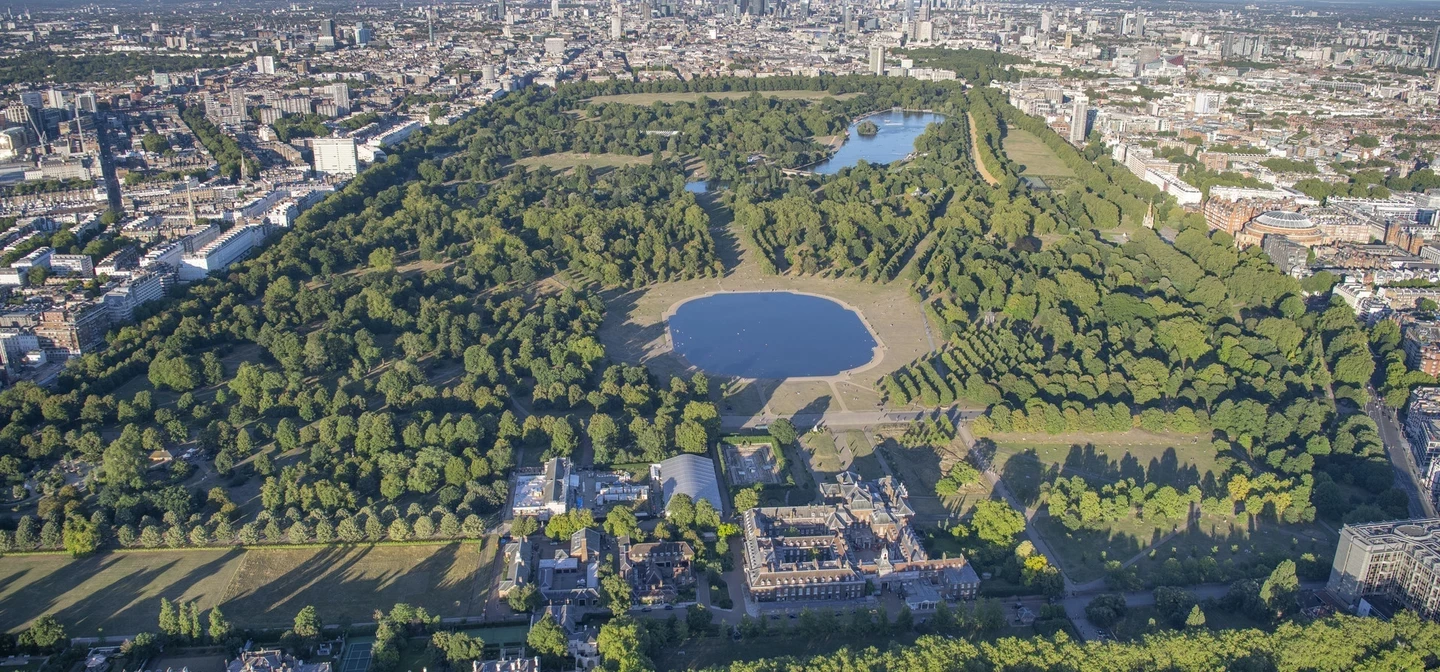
975, 153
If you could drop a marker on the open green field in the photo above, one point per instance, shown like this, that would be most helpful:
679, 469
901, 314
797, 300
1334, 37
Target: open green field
1025, 149
118, 593
1025, 460
1179, 460
1083, 553
1231, 542
690, 97
568, 160
833, 452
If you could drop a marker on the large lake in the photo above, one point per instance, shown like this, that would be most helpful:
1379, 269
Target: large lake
895, 140
770, 335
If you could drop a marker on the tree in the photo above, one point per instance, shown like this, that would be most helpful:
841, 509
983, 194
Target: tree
524, 526
307, 623
996, 523
219, 628
783, 431
382, 258
748, 498
961, 475
43, 634
81, 537
523, 598
1106, 610
142, 646
458, 647
123, 464
621, 522
619, 642
681, 510
618, 595
1196, 618
1280, 588
548, 639
169, 618
698, 618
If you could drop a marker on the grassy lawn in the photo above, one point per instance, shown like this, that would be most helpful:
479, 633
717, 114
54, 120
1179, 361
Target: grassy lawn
1232, 543
568, 160
690, 97
1024, 148
1027, 460
1179, 460
831, 453
920, 468
1084, 553
118, 593
348, 584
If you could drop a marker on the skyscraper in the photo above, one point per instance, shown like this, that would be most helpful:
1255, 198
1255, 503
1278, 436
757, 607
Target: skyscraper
845, 18
340, 92
877, 59
1434, 62
1045, 19
555, 8
1079, 119
335, 156
617, 23
363, 34
327, 33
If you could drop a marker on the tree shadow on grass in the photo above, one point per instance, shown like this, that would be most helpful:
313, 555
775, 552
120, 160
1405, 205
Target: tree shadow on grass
123, 604
330, 582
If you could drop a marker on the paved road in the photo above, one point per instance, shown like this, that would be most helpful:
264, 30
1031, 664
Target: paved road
804, 421
1407, 475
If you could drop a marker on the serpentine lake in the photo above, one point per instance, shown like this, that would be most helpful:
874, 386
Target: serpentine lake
770, 335
895, 141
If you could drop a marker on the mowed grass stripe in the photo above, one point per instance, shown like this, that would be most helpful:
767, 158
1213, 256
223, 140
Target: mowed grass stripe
119, 593
1039, 160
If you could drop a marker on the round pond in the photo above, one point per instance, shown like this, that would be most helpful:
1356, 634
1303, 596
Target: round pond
770, 335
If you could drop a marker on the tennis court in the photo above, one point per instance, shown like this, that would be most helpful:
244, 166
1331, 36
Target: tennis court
357, 656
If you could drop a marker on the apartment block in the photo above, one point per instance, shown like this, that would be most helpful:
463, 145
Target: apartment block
1398, 560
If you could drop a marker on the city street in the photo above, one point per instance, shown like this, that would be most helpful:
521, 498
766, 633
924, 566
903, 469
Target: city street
1407, 475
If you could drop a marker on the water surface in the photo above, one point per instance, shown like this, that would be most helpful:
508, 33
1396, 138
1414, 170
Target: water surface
770, 335
895, 140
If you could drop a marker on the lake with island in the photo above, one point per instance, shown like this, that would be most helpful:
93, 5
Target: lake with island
770, 335
894, 141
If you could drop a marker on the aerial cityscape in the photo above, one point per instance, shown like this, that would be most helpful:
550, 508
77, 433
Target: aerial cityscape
743, 335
